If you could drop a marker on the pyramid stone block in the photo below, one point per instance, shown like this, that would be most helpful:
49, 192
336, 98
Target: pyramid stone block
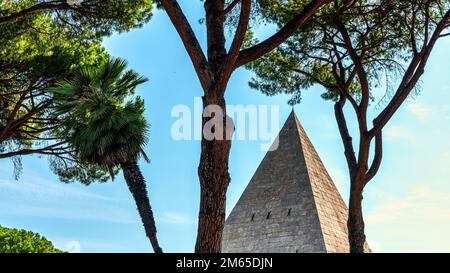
290, 205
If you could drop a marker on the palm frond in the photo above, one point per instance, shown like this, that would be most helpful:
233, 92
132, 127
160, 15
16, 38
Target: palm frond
102, 124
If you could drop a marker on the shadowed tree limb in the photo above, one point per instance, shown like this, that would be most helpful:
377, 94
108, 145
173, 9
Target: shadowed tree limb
376, 163
345, 134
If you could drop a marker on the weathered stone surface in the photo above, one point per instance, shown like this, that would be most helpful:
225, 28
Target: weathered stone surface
291, 204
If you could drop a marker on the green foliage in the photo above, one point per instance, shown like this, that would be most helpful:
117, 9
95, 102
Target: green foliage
40, 48
317, 53
22, 241
77, 171
33, 55
103, 125
275, 75
94, 18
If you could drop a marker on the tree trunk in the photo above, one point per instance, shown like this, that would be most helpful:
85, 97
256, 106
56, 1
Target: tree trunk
136, 184
214, 181
355, 223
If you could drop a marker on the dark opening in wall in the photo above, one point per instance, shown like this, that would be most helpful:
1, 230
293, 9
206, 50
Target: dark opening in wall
289, 212
253, 217
268, 215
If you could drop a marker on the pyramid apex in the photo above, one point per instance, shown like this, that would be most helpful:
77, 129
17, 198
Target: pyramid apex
293, 113
291, 203
293, 116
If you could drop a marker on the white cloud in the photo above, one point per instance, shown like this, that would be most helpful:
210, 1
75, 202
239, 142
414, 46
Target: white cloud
420, 204
175, 218
37, 197
44, 189
424, 112
87, 212
396, 133
421, 111
416, 221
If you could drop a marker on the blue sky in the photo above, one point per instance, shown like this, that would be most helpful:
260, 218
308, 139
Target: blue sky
407, 206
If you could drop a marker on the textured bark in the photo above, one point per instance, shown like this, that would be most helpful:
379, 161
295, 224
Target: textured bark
214, 181
356, 235
355, 224
137, 186
358, 177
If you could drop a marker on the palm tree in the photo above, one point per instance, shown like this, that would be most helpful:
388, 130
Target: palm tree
105, 127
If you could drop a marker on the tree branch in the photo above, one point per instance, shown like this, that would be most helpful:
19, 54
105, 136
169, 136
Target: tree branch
412, 75
356, 59
52, 5
250, 54
189, 40
231, 6
376, 163
238, 39
33, 9
345, 135
314, 78
45, 150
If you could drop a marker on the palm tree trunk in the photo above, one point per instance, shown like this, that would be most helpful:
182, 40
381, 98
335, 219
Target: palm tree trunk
136, 184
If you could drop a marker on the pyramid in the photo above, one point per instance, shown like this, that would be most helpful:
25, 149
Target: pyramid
291, 205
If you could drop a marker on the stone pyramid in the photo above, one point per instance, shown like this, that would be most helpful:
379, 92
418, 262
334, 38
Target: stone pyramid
291, 204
